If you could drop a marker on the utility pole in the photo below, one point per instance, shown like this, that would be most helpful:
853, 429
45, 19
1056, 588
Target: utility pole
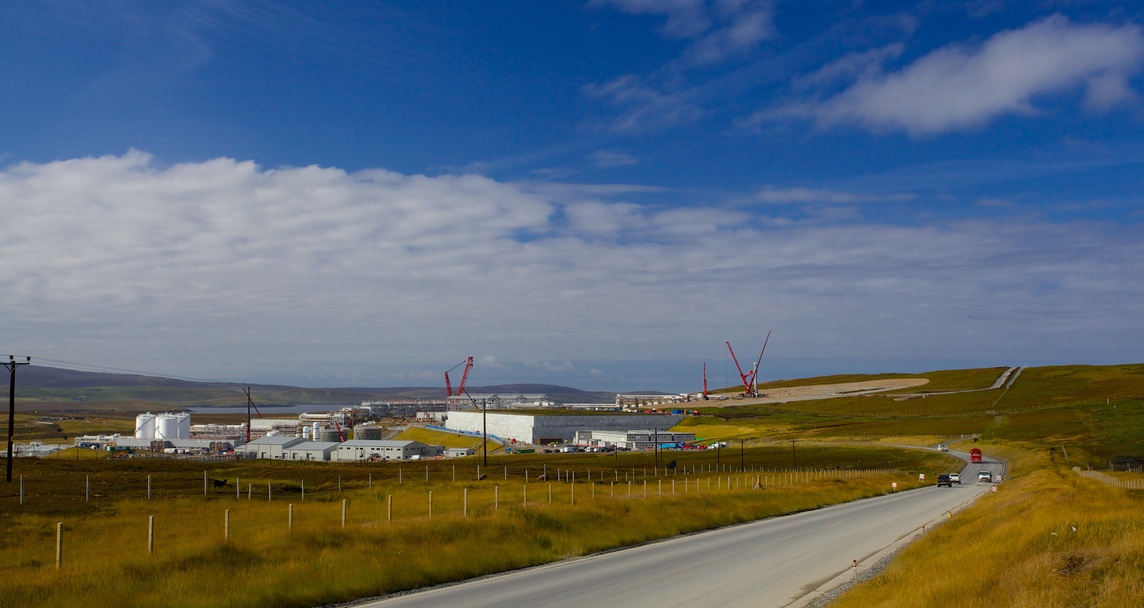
656, 430
248, 404
12, 364
485, 424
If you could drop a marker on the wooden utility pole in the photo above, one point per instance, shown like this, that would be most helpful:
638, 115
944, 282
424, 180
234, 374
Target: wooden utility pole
12, 364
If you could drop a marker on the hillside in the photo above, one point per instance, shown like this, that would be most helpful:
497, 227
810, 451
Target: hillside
47, 388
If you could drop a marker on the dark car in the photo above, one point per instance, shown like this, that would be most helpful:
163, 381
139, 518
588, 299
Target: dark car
944, 480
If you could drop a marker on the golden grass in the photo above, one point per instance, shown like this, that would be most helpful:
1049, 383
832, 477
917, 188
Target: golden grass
265, 563
1048, 538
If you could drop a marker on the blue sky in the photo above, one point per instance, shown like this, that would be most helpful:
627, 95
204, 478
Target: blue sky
596, 193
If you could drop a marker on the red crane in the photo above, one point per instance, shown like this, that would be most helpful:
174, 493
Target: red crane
704, 380
749, 378
468, 363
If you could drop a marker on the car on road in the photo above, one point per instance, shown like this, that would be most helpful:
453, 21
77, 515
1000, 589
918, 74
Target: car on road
985, 476
943, 480
955, 478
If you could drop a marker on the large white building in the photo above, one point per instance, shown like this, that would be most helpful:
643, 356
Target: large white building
554, 428
632, 440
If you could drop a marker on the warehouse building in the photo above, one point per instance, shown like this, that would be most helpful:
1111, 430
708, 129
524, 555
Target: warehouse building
632, 440
272, 446
359, 450
554, 428
320, 451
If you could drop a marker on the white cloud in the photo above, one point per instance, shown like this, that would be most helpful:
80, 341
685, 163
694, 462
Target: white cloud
770, 194
606, 159
685, 18
224, 269
645, 106
964, 86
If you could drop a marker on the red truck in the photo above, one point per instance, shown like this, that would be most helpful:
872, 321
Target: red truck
975, 455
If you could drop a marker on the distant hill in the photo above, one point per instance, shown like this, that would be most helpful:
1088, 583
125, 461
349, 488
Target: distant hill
61, 389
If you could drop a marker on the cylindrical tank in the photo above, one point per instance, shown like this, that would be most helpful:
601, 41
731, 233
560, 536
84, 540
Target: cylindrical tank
166, 427
183, 422
367, 432
145, 426
315, 431
328, 435
306, 432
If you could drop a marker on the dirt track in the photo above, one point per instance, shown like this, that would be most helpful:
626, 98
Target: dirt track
824, 391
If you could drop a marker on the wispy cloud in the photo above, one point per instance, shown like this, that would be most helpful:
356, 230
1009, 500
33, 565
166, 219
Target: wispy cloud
606, 159
718, 29
770, 194
965, 86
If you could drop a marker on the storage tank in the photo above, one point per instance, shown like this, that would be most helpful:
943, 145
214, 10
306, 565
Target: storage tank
367, 432
306, 432
183, 422
145, 426
328, 435
166, 427
315, 431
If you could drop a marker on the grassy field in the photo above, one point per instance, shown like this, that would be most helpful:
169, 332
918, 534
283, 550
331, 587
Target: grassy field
1015, 547
302, 555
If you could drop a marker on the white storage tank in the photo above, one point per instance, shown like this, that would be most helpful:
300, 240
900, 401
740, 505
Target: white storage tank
305, 432
145, 426
166, 427
183, 422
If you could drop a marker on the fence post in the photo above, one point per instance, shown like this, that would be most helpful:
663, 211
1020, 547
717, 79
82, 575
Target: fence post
204, 483
343, 512
151, 534
290, 516
148, 487
59, 543
496, 498
238, 488
389, 508
87, 489
466, 512
226, 526
303, 489
269, 492
430, 499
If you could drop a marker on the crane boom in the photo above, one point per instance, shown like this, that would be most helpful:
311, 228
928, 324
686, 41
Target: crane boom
755, 372
468, 363
746, 378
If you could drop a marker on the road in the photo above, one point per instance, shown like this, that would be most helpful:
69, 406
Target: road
783, 561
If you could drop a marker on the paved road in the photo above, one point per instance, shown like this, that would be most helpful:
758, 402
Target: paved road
781, 561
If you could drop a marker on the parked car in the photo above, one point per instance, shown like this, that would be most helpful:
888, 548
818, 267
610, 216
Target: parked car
985, 476
955, 478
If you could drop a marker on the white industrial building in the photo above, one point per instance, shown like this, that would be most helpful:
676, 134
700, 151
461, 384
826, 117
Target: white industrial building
500, 402
632, 440
272, 446
318, 451
554, 428
358, 450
